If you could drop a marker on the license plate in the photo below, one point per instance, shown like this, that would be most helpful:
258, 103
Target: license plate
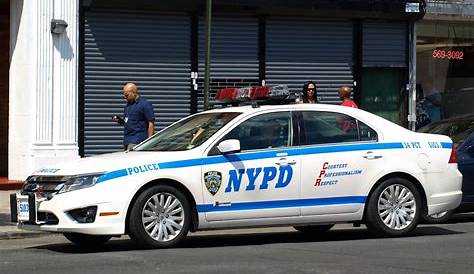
23, 209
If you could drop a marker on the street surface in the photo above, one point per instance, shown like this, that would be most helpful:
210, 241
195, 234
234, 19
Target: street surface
447, 248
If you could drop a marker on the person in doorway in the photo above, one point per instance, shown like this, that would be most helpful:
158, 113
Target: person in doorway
345, 95
310, 95
138, 117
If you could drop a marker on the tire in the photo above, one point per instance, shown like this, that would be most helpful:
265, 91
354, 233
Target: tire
437, 218
85, 240
310, 229
160, 217
394, 208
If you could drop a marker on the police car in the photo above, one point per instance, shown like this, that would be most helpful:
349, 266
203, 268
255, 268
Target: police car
309, 166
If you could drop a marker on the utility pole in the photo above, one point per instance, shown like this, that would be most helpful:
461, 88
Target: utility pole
208, 53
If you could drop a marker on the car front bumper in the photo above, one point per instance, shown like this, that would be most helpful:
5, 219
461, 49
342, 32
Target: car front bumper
53, 215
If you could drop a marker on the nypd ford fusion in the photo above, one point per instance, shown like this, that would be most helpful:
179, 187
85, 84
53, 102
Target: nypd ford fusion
309, 166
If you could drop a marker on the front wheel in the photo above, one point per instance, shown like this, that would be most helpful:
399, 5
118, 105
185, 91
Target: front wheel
160, 217
393, 208
85, 240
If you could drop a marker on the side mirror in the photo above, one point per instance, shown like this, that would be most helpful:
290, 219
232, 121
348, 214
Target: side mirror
229, 146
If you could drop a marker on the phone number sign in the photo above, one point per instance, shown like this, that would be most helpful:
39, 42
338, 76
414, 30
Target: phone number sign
448, 54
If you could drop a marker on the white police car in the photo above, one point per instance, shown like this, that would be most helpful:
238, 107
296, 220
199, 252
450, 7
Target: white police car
304, 165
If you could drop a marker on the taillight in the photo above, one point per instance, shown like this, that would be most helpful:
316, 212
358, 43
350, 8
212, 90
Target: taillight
453, 158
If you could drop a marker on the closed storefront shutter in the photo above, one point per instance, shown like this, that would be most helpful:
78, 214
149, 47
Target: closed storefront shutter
234, 53
299, 50
384, 44
151, 50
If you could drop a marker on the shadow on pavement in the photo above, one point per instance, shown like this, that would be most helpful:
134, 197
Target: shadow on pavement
461, 218
5, 219
245, 239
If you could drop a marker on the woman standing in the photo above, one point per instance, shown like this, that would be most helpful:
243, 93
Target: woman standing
309, 93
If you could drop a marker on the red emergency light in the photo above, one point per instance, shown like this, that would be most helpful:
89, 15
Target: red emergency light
252, 93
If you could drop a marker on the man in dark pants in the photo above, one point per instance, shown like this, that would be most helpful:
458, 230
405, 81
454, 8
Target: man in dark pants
138, 117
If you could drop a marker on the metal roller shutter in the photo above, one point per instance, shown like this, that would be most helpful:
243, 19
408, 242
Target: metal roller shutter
151, 50
299, 50
234, 53
384, 44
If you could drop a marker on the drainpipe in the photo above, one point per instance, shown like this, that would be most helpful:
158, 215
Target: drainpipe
208, 53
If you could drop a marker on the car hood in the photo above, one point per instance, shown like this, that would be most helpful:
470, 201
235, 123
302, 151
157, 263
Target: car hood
111, 162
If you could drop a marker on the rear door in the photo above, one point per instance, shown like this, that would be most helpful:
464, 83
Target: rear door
337, 157
260, 181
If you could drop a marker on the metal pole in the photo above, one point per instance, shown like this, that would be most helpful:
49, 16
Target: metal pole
412, 78
208, 53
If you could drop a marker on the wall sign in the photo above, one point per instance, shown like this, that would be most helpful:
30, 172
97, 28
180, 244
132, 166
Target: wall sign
448, 54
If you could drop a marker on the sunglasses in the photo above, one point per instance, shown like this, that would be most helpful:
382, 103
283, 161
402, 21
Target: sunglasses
313, 89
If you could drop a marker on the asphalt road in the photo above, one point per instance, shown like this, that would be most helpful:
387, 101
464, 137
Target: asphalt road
447, 248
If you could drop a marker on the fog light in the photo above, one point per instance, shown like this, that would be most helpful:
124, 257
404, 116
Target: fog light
84, 215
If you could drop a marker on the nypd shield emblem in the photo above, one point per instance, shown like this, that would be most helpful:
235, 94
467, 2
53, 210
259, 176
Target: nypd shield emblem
213, 180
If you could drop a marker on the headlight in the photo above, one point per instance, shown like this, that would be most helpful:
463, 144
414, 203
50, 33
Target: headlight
79, 182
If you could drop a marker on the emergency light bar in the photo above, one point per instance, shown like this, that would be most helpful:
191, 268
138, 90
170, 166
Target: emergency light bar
227, 95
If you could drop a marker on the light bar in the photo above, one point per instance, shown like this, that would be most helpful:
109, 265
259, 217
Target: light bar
252, 93
227, 94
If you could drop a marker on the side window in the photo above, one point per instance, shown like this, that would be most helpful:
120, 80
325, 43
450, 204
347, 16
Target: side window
366, 133
329, 127
270, 130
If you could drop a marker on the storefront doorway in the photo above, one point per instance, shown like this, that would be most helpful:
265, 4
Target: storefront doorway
383, 93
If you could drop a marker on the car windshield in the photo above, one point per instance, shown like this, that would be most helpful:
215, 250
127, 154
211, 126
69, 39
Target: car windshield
457, 130
188, 133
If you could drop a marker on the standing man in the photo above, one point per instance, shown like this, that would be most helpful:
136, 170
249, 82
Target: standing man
345, 95
138, 117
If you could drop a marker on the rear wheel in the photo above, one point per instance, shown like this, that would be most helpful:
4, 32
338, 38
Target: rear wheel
160, 217
85, 240
438, 218
310, 229
393, 208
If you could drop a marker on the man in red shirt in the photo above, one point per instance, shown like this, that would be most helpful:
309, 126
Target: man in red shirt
345, 95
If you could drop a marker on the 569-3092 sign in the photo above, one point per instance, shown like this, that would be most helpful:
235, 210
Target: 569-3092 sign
448, 54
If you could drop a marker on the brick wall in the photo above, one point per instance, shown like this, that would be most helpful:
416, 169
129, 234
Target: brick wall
4, 67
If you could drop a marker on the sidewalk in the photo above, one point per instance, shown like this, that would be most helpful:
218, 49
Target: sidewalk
8, 230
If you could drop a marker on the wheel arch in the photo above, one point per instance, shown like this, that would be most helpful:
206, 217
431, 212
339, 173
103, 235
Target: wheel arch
405, 176
172, 183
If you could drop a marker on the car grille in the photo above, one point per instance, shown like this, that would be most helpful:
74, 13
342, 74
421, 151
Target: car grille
47, 218
42, 184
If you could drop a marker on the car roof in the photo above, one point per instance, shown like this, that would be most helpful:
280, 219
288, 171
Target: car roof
251, 109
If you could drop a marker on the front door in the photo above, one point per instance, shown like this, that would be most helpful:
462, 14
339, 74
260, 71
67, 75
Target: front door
262, 180
336, 162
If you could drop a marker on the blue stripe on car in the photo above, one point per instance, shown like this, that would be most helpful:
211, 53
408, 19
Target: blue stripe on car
204, 208
248, 156
446, 145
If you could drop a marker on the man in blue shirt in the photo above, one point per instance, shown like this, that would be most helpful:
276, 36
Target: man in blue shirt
139, 118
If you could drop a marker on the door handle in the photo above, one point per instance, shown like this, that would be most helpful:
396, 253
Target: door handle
371, 156
285, 162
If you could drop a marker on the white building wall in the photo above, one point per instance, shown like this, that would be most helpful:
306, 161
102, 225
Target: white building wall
43, 85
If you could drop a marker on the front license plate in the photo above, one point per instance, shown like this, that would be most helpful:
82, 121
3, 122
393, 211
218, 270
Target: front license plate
23, 209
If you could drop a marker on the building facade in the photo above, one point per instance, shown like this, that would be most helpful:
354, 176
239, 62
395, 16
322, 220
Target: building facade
445, 61
65, 86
